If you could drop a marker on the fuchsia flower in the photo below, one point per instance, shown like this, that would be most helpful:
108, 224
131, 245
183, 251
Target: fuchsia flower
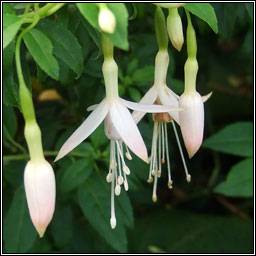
119, 127
159, 93
40, 189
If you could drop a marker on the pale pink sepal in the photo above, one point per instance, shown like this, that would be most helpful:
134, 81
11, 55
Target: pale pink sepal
40, 191
169, 98
206, 97
148, 98
128, 130
191, 121
85, 129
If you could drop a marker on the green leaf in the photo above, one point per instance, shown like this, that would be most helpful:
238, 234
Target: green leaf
11, 25
134, 94
94, 199
184, 232
249, 8
61, 225
7, 8
205, 12
236, 139
65, 45
98, 137
239, 181
9, 122
10, 90
119, 37
8, 55
40, 47
18, 232
75, 174
144, 75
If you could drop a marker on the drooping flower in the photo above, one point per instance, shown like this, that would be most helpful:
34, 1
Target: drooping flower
192, 116
120, 127
40, 189
159, 93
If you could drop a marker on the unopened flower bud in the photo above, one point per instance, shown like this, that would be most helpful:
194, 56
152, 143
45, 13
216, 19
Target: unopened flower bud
174, 28
191, 120
40, 191
107, 20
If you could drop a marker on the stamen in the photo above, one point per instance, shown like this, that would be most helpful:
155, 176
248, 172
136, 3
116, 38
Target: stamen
109, 177
188, 176
162, 129
150, 179
159, 152
126, 187
120, 180
126, 170
167, 157
118, 159
117, 190
113, 217
127, 154
154, 196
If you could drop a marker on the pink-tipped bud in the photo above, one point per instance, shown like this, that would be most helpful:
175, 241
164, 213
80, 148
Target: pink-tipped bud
40, 191
191, 120
107, 21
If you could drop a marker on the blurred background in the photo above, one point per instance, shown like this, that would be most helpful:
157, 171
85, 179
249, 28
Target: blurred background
212, 214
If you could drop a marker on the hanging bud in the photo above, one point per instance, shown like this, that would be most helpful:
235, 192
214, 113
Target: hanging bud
192, 104
174, 28
40, 189
169, 5
107, 20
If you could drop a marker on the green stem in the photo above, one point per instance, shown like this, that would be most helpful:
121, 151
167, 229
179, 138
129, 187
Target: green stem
160, 27
107, 47
54, 9
27, 8
191, 38
25, 95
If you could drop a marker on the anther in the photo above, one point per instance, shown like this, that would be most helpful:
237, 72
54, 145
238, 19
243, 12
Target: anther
117, 190
109, 177
126, 170
120, 180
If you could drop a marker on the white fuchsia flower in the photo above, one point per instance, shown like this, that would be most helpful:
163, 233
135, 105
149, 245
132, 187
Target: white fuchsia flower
159, 93
120, 128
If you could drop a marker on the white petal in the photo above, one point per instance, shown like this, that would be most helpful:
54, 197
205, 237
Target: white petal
148, 98
169, 98
148, 108
85, 129
206, 97
126, 127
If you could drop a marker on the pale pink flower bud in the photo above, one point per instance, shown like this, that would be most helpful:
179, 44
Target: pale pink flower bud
107, 21
40, 191
191, 120
174, 28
